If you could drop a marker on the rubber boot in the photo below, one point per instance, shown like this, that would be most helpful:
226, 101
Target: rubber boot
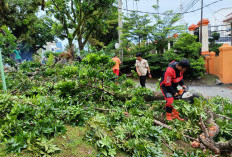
175, 115
169, 116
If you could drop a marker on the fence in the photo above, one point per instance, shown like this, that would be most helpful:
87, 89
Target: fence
224, 31
220, 65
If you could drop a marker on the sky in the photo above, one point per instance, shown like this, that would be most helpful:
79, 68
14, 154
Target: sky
190, 18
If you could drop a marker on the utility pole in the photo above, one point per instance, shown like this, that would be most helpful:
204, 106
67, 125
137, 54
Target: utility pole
120, 29
181, 10
201, 21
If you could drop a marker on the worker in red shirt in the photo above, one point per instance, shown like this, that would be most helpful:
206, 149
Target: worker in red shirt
173, 77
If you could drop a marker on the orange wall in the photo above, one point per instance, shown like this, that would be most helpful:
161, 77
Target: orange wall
221, 66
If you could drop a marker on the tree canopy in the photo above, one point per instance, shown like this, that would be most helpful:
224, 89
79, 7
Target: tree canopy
79, 19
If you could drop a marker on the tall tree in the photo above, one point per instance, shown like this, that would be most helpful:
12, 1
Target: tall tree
164, 27
20, 16
78, 19
7, 44
107, 32
39, 33
136, 27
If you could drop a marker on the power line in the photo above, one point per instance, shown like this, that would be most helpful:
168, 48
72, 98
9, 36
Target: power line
186, 12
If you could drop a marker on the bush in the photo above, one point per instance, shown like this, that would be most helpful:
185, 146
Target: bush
215, 48
185, 47
56, 54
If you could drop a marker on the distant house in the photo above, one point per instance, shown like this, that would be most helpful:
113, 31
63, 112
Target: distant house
218, 24
54, 47
228, 20
219, 16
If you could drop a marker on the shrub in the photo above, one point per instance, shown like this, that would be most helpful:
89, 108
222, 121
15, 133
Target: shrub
185, 47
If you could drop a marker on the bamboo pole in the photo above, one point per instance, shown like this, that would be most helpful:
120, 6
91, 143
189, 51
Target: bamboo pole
2, 72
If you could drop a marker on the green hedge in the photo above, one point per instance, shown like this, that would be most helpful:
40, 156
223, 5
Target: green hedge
185, 47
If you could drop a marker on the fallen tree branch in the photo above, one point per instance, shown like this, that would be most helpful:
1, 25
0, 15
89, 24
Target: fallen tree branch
170, 128
212, 131
164, 141
225, 146
191, 138
222, 116
162, 124
24, 102
209, 144
203, 127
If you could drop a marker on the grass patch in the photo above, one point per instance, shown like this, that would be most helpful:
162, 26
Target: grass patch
72, 144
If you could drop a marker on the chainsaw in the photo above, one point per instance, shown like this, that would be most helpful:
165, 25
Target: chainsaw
184, 94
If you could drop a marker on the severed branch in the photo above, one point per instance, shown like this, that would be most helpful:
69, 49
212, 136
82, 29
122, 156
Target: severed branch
24, 102
164, 141
203, 127
191, 138
208, 143
170, 128
162, 124
222, 116
225, 146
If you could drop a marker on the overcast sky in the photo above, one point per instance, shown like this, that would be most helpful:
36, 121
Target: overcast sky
190, 18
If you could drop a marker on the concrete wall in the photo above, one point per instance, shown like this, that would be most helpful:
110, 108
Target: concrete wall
221, 65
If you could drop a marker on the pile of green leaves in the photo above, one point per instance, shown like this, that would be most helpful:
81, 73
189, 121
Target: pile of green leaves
119, 117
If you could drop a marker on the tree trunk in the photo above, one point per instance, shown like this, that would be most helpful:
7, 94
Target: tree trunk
34, 48
80, 43
206, 138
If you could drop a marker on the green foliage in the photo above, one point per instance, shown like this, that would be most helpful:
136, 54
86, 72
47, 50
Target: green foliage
20, 16
136, 28
56, 54
84, 17
51, 60
7, 44
214, 47
164, 27
117, 117
215, 35
185, 47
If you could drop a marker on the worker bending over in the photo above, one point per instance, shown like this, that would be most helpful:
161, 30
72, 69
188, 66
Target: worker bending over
173, 77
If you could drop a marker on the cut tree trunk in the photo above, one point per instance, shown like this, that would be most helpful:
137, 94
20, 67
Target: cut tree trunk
205, 140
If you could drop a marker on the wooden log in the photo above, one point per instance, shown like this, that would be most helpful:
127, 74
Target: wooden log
225, 146
209, 144
162, 124
205, 130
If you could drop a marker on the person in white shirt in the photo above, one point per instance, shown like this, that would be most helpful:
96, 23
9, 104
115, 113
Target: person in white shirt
142, 68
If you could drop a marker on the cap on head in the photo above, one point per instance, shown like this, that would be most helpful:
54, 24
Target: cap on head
184, 63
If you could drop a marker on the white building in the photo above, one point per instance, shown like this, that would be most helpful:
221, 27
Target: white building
219, 16
217, 24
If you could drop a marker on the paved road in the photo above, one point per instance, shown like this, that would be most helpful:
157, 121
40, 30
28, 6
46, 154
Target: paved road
210, 91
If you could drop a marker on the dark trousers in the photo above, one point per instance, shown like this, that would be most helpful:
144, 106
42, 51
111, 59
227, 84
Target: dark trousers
143, 80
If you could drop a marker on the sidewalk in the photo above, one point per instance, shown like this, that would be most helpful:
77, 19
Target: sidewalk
210, 91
